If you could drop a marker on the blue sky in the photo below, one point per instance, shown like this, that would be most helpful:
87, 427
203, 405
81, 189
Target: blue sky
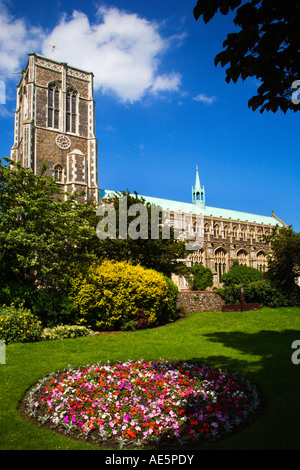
162, 107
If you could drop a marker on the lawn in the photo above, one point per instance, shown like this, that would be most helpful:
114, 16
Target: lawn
256, 345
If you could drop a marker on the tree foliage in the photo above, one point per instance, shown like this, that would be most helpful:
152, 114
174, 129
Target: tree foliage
241, 275
266, 46
201, 277
162, 255
43, 233
284, 264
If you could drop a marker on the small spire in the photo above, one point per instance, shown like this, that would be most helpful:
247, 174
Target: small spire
198, 193
197, 184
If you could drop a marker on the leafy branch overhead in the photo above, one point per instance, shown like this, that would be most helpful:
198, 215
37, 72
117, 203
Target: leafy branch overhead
266, 46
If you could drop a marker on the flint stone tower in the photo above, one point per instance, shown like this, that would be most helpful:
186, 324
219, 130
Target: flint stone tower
55, 123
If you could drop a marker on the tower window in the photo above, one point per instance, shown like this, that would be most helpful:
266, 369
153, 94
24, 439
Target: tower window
59, 173
71, 111
53, 106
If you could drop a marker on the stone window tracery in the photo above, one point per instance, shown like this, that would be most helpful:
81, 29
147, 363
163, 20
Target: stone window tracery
71, 110
242, 257
261, 261
59, 173
220, 263
53, 105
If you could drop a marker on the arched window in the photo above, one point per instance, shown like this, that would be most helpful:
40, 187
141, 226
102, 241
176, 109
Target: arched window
197, 257
220, 263
216, 230
53, 105
225, 231
259, 234
71, 110
59, 173
261, 261
196, 227
242, 257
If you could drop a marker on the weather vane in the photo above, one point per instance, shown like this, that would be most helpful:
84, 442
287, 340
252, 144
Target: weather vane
52, 44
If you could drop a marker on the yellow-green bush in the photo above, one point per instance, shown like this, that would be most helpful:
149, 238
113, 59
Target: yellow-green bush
109, 296
18, 325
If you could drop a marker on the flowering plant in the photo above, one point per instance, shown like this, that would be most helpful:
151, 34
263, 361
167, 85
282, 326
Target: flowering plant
18, 325
143, 403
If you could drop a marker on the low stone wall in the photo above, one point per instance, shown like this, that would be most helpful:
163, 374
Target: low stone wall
200, 301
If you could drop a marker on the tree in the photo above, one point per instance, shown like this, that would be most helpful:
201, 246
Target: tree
43, 232
267, 46
201, 277
241, 275
136, 242
284, 263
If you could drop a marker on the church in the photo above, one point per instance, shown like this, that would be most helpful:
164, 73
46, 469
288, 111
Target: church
55, 122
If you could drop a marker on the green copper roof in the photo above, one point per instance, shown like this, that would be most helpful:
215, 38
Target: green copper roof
207, 211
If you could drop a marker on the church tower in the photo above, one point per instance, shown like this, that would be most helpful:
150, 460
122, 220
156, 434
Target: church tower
55, 123
198, 193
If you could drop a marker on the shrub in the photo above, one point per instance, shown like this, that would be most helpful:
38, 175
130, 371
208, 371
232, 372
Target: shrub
268, 294
264, 292
241, 275
17, 293
109, 295
19, 325
65, 331
202, 277
169, 312
231, 295
53, 307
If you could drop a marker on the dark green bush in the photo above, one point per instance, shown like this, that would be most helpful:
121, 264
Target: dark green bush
169, 310
241, 275
17, 293
231, 295
201, 277
53, 308
264, 292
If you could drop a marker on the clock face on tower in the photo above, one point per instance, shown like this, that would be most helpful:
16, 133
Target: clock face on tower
63, 142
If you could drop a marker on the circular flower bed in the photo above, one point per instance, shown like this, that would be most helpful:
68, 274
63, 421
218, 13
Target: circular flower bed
143, 403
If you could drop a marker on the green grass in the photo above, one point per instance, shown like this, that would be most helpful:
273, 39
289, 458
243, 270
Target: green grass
256, 345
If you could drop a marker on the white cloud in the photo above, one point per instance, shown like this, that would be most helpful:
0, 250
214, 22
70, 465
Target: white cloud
122, 50
205, 99
167, 82
16, 40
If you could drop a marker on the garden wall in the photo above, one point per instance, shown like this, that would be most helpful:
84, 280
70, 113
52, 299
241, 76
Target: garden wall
200, 301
